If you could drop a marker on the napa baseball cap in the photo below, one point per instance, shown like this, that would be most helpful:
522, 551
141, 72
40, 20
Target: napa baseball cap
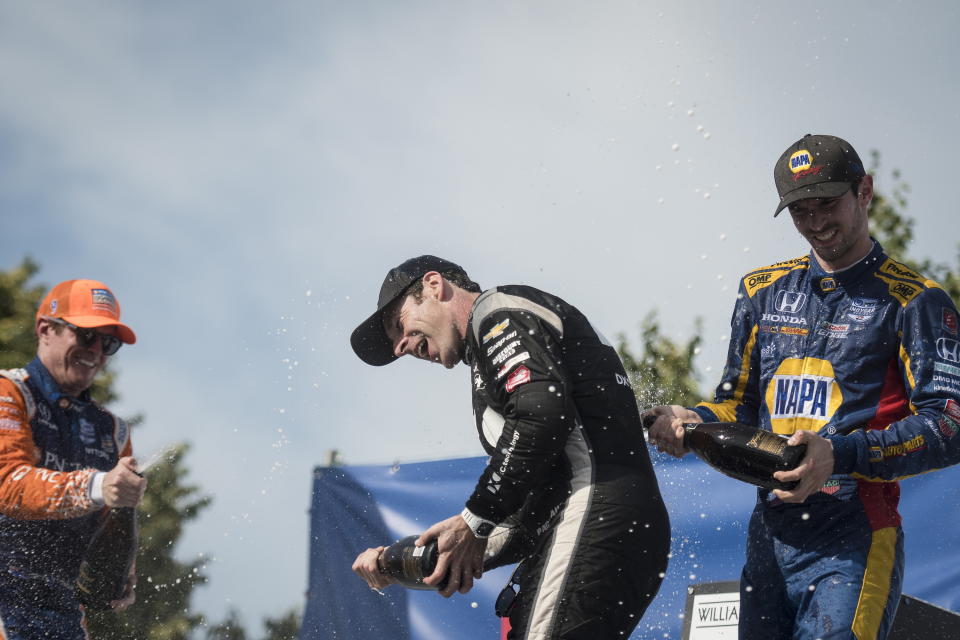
88, 304
369, 340
816, 166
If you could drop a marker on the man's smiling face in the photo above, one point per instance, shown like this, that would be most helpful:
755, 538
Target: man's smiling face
425, 330
72, 364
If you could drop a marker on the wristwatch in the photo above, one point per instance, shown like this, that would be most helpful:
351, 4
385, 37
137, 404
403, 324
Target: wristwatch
481, 528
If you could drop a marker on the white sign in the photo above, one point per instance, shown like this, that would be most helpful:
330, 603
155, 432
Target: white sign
714, 616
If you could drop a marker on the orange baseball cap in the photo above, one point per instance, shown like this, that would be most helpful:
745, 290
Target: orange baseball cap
88, 304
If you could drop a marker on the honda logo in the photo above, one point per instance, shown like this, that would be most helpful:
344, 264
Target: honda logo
790, 301
948, 349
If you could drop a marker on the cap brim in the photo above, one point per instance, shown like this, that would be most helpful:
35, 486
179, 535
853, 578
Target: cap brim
125, 333
818, 190
370, 341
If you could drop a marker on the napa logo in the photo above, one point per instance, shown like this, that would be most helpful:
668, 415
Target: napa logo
802, 395
801, 161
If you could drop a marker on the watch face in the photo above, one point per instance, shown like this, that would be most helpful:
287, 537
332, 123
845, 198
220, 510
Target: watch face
484, 529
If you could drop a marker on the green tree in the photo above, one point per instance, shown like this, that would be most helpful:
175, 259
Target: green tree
286, 627
893, 228
18, 304
229, 629
664, 372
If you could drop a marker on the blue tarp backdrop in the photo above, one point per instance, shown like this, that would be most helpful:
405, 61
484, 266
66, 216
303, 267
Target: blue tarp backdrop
364, 506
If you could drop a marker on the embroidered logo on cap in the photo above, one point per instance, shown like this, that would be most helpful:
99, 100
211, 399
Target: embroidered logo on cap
801, 161
103, 300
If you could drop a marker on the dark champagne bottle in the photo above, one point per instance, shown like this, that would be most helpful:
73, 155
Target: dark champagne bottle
742, 452
108, 558
409, 564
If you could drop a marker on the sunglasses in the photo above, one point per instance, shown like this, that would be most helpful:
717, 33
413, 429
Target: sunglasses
86, 337
508, 596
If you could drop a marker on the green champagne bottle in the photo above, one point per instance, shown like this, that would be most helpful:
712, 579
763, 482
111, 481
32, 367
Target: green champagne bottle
743, 452
108, 558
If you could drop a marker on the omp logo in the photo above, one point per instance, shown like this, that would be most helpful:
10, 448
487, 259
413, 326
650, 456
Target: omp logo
800, 161
948, 349
904, 290
802, 395
763, 278
790, 301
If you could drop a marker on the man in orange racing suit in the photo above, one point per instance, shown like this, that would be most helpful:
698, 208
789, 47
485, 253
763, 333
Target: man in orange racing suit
63, 458
854, 355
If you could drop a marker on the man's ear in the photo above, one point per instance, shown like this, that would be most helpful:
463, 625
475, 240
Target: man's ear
43, 329
865, 190
435, 286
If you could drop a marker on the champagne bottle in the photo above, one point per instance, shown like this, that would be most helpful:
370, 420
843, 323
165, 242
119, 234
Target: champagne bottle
108, 558
409, 564
741, 451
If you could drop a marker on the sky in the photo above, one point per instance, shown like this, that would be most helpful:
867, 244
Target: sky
243, 174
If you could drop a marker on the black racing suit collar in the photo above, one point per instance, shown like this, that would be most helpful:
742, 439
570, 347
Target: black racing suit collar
870, 262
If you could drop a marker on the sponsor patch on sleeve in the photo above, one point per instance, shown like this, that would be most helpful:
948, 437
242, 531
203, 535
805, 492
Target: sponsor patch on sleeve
6, 424
511, 363
949, 321
495, 331
952, 410
948, 427
517, 378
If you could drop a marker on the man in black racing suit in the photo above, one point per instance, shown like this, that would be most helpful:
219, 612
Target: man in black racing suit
569, 481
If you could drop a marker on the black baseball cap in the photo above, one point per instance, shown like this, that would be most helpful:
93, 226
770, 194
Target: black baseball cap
816, 167
369, 340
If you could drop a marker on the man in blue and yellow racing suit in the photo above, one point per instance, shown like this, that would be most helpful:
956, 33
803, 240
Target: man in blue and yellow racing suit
856, 356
